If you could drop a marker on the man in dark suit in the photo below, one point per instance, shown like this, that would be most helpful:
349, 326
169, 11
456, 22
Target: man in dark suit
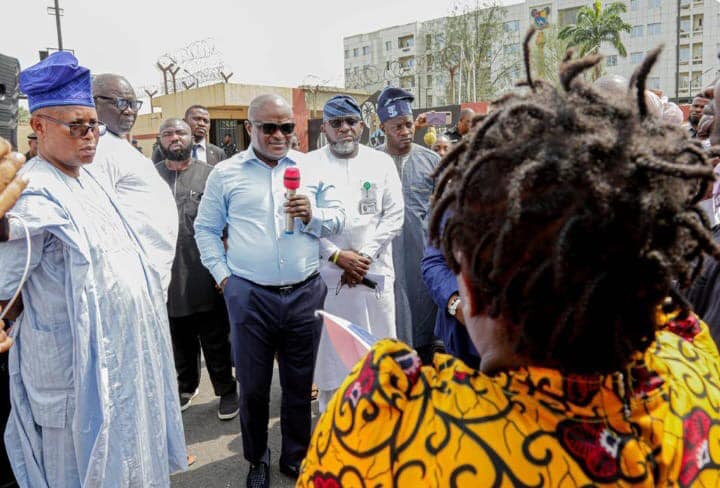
198, 118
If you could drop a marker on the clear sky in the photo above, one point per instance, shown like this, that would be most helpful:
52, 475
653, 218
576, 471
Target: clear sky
280, 42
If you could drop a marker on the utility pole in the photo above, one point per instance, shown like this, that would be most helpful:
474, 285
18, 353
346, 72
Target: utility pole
57, 12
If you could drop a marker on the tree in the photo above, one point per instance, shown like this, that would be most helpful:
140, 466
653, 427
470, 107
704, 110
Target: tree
469, 47
23, 115
596, 25
547, 53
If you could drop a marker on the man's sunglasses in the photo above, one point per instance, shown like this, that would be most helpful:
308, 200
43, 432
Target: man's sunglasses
270, 128
123, 103
336, 123
77, 129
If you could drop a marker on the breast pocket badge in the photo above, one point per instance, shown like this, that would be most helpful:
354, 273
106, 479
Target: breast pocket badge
368, 200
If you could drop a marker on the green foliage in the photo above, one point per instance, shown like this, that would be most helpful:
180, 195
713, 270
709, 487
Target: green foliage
473, 36
546, 56
596, 25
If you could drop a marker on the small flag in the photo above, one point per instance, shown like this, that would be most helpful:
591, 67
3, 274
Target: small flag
351, 342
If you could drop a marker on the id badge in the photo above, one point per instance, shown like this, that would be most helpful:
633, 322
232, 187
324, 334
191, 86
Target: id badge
368, 202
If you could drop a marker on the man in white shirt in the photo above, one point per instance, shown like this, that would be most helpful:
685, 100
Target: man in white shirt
371, 193
144, 198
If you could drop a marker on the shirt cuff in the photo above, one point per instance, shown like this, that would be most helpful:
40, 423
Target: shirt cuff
327, 250
220, 271
314, 227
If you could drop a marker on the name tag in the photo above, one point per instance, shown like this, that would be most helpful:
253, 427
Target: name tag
368, 201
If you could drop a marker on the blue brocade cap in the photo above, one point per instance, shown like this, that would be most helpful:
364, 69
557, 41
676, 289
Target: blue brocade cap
341, 106
394, 102
55, 81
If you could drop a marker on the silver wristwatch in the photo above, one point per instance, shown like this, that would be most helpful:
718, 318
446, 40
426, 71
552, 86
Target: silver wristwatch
452, 308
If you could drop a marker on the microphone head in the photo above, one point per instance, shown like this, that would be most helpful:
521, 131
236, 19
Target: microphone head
291, 178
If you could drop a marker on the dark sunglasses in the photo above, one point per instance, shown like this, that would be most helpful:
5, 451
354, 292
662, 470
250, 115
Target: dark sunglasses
123, 103
269, 128
77, 129
338, 122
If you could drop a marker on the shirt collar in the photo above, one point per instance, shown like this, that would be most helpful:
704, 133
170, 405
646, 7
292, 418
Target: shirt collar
291, 158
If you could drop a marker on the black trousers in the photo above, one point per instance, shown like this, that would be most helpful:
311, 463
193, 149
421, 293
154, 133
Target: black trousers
263, 322
209, 331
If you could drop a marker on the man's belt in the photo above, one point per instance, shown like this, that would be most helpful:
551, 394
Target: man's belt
285, 289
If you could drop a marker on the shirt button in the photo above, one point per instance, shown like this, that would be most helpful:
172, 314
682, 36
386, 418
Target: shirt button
282, 261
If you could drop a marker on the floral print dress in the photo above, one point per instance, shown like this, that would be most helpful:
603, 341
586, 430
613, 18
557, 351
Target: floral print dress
394, 423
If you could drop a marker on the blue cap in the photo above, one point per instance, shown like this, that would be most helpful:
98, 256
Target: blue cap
341, 106
394, 102
56, 81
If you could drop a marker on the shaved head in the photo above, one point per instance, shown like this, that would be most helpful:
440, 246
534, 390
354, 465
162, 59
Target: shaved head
264, 102
109, 90
465, 121
612, 86
174, 123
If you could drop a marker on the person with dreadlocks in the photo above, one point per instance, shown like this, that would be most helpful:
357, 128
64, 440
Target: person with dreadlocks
568, 218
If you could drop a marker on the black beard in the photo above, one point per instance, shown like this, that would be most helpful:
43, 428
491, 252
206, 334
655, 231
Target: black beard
178, 154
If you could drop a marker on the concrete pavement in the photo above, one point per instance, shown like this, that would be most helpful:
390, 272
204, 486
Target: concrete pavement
218, 445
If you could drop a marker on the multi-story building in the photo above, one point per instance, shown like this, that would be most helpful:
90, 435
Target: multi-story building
406, 55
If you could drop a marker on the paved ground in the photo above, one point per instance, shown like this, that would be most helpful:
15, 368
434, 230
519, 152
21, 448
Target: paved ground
218, 445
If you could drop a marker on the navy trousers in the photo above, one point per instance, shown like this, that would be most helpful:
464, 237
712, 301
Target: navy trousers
264, 322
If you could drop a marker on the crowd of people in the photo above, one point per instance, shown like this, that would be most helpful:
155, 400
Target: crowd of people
535, 277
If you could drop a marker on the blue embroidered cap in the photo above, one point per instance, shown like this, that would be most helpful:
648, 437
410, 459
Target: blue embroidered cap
55, 81
394, 102
341, 106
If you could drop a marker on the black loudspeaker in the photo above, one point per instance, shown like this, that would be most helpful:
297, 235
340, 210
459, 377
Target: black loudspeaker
9, 96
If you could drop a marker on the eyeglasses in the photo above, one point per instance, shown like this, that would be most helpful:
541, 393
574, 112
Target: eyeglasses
270, 128
123, 103
336, 123
77, 129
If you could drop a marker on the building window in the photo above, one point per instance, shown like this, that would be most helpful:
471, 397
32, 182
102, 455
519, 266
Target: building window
697, 53
634, 5
698, 24
388, 45
684, 81
654, 29
406, 41
611, 60
407, 82
568, 16
366, 50
347, 53
654, 3
696, 80
653, 83
429, 80
636, 58
637, 31
684, 54
408, 62
511, 49
429, 101
429, 61
512, 26
685, 25
356, 52
428, 41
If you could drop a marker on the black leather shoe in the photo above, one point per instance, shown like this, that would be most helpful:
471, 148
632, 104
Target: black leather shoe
291, 470
259, 474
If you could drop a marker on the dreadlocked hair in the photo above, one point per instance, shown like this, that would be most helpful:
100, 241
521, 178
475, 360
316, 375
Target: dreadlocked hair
574, 215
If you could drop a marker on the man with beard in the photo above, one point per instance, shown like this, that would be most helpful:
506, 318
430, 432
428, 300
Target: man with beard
696, 113
142, 195
269, 276
414, 309
198, 118
370, 190
92, 384
198, 317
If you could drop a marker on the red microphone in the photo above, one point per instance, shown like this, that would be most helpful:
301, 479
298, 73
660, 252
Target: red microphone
291, 180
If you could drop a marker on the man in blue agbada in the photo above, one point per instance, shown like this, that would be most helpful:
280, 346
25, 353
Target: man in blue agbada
92, 383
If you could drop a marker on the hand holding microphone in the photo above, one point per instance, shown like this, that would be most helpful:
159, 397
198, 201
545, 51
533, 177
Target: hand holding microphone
295, 205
